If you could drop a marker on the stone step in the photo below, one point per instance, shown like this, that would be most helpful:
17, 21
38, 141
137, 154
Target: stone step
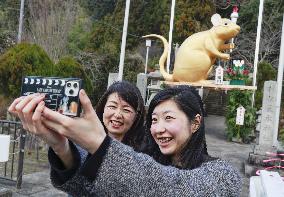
215, 103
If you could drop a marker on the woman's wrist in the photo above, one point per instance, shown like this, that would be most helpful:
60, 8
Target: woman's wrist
61, 148
94, 161
95, 143
65, 154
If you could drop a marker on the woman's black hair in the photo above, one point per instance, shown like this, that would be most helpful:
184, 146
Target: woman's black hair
130, 94
194, 152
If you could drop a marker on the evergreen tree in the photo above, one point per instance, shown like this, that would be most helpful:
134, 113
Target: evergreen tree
98, 8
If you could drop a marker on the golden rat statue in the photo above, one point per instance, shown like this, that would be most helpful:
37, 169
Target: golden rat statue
197, 54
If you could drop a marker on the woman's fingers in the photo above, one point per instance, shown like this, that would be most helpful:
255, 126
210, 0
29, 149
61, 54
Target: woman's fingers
31, 105
57, 127
25, 101
86, 103
12, 107
58, 122
36, 120
19, 109
23, 108
55, 116
56, 141
28, 111
38, 111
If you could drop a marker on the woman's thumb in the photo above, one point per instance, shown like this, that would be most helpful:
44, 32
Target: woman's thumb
86, 102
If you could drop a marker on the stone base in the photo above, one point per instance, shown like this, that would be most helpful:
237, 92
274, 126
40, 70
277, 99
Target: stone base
262, 150
250, 170
255, 160
237, 140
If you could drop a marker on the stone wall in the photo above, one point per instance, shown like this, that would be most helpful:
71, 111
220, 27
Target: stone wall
215, 102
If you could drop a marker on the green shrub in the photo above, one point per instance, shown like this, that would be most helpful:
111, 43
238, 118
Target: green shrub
153, 63
30, 60
4, 102
69, 67
21, 60
281, 136
236, 99
265, 72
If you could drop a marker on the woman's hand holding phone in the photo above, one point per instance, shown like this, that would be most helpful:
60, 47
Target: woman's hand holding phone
54, 128
86, 131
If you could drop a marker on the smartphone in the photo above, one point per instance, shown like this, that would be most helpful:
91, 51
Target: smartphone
61, 94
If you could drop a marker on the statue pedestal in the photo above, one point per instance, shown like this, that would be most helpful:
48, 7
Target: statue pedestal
211, 85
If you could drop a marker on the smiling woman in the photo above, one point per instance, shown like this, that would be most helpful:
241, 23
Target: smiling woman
175, 128
118, 116
171, 128
121, 109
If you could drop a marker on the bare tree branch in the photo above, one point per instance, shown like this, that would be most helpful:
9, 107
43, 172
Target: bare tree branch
269, 43
49, 23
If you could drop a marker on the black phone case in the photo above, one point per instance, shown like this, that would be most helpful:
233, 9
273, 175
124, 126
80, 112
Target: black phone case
61, 94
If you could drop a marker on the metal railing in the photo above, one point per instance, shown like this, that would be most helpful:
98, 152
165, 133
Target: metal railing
12, 170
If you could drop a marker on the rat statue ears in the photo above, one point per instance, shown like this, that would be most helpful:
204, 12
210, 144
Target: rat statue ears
216, 20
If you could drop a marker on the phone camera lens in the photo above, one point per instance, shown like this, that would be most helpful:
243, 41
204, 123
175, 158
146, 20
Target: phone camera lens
68, 85
71, 92
75, 85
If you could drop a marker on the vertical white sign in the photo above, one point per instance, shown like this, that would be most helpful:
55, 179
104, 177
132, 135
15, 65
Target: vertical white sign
219, 75
240, 115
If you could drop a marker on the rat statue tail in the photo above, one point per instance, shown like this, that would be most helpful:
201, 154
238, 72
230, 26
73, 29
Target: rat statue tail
163, 58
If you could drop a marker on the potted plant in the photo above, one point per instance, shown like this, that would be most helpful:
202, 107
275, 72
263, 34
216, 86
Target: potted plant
238, 73
240, 132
